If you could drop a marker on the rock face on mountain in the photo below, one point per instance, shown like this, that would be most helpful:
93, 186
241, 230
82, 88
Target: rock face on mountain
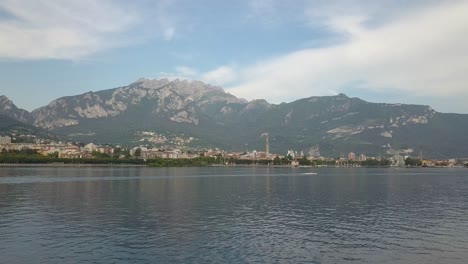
9, 109
17, 121
178, 101
330, 125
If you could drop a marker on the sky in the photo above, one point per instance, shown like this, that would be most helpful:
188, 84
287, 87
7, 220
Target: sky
382, 51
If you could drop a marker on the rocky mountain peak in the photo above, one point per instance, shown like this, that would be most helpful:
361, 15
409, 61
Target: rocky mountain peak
5, 101
151, 83
8, 108
256, 105
181, 86
175, 100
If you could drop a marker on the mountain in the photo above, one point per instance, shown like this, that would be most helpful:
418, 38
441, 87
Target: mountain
337, 125
18, 121
13, 119
117, 115
9, 109
203, 115
8, 124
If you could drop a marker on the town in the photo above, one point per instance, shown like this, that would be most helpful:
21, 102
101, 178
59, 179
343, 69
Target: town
14, 149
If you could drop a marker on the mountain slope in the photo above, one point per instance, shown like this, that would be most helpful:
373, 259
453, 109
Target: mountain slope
9, 126
329, 125
177, 100
13, 119
8, 108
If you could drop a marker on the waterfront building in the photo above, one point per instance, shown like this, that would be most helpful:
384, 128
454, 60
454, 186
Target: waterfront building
5, 140
90, 147
399, 160
362, 157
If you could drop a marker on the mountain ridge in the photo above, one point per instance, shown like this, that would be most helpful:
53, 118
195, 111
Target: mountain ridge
8, 108
318, 125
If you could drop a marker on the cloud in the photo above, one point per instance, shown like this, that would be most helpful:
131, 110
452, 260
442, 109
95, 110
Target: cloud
186, 71
422, 52
67, 29
181, 73
38, 29
220, 76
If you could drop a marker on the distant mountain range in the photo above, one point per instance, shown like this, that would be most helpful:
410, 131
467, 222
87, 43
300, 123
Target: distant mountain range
328, 125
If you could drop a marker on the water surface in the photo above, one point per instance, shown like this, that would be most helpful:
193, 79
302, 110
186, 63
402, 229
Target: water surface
233, 215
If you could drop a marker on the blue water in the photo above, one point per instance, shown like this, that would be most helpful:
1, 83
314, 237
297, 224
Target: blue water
233, 215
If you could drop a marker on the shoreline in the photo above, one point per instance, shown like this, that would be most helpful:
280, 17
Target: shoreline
84, 165
70, 165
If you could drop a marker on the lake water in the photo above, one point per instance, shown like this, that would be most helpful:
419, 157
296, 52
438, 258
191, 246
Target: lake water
233, 215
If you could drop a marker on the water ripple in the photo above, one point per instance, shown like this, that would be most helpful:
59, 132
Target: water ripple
246, 216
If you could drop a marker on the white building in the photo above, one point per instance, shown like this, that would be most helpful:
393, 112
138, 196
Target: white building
399, 160
90, 147
362, 157
5, 140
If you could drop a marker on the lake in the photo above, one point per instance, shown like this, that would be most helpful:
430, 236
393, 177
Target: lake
233, 215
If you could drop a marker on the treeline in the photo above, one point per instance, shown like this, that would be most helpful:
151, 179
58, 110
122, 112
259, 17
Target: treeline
195, 162
305, 162
413, 162
26, 157
251, 162
376, 163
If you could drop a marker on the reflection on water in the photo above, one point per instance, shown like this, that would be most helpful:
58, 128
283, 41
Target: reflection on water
233, 215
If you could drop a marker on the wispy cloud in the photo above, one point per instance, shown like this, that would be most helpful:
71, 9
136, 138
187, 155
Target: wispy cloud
220, 76
186, 71
422, 52
61, 29
223, 75
66, 29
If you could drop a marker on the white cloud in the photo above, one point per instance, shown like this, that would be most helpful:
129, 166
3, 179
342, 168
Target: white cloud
60, 29
422, 52
67, 29
220, 76
181, 73
186, 71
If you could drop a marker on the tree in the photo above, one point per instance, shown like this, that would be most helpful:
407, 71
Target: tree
100, 155
53, 155
304, 161
412, 162
138, 152
277, 161
285, 161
